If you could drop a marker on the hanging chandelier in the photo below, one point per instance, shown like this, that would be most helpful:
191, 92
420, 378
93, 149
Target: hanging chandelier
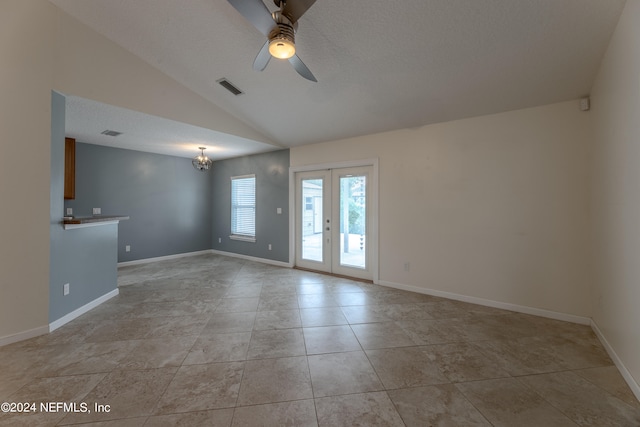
201, 162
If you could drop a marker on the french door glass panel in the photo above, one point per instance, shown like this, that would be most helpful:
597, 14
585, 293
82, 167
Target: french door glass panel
353, 220
313, 209
312, 219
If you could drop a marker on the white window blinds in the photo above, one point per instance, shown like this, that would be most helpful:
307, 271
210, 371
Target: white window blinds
243, 206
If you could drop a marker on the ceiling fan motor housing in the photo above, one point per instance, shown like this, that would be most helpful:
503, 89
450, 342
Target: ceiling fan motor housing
285, 31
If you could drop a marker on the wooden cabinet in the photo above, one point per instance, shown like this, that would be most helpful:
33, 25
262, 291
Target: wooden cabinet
69, 168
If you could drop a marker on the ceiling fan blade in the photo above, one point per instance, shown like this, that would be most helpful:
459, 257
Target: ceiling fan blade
294, 9
262, 58
301, 68
255, 12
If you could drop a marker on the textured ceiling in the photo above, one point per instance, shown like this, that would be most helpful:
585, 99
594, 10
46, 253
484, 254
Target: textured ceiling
380, 64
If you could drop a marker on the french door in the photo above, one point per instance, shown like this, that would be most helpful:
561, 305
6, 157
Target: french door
333, 221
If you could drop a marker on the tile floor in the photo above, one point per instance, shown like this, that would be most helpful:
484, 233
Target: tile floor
217, 341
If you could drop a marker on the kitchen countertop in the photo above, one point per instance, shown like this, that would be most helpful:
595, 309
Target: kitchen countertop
87, 221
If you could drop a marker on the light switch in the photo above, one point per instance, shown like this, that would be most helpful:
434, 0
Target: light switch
279, 211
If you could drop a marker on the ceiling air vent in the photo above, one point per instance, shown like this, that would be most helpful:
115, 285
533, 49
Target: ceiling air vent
111, 133
230, 87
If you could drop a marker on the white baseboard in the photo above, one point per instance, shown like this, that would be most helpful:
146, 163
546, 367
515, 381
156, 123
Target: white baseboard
633, 385
495, 304
163, 258
24, 335
82, 310
251, 258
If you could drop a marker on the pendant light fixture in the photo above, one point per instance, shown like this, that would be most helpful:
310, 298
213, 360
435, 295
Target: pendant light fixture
202, 162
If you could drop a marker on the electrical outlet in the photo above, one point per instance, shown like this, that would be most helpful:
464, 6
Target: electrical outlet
269, 246
69, 211
65, 289
585, 104
279, 211
127, 248
219, 239
97, 211
407, 266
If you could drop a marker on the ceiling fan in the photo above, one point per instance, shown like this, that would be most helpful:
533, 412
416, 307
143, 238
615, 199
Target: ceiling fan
279, 27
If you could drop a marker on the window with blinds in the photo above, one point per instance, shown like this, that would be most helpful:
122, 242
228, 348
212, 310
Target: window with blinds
243, 207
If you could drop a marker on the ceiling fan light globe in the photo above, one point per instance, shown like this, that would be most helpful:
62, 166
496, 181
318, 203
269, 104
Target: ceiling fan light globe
282, 48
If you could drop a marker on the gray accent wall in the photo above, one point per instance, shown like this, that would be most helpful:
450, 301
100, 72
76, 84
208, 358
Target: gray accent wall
272, 192
167, 200
84, 258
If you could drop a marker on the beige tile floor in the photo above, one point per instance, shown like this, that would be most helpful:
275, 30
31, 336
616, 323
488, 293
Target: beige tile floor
217, 341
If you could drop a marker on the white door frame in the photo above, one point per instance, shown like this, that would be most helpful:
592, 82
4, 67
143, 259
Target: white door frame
375, 269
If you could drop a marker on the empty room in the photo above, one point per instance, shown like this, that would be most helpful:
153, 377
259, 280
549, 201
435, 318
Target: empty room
320, 213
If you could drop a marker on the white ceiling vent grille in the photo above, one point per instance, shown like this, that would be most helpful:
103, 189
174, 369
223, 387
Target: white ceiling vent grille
229, 86
111, 132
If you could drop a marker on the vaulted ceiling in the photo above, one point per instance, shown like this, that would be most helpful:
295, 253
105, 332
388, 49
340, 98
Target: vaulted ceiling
380, 64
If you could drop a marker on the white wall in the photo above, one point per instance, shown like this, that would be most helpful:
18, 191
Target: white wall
494, 207
26, 48
616, 192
